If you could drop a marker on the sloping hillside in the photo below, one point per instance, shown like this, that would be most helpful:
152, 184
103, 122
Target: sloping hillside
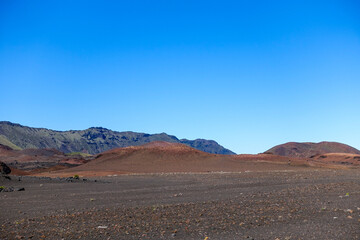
339, 158
308, 149
164, 157
93, 140
29, 159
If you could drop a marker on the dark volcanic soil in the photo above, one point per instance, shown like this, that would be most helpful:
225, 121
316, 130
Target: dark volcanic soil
303, 204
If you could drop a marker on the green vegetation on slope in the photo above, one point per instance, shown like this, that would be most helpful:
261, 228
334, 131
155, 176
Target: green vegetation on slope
6, 142
78, 153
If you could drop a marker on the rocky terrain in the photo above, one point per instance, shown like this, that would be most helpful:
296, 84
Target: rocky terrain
308, 149
163, 190
293, 203
93, 140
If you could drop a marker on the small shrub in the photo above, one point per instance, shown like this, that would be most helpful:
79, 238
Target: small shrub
76, 176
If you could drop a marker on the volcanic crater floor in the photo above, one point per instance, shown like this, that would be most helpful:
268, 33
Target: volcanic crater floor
296, 204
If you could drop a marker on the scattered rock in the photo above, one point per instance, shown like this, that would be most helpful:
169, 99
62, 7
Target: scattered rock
72, 179
5, 177
10, 189
6, 189
4, 169
178, 195
102, 227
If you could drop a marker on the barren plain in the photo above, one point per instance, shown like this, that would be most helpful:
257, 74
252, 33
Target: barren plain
289, 202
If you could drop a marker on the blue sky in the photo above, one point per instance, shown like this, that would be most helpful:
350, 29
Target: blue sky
248, 74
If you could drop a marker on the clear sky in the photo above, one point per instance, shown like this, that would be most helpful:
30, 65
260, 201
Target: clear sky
248, 74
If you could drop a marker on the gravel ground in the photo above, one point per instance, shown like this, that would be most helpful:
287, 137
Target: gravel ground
304, 204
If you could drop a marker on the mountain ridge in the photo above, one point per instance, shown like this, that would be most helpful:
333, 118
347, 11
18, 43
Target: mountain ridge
92, 140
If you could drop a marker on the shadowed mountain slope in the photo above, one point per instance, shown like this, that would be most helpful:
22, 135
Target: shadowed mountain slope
307, 149
93, 140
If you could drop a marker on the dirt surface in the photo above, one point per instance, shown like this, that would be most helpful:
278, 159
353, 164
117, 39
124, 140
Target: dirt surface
342, 158
304, 203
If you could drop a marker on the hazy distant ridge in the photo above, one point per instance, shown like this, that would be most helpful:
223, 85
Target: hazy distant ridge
93, 140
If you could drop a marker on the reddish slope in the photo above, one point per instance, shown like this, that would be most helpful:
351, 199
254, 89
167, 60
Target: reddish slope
5, 149
338, 158
29, 159
163, 157
307, 150
149, 158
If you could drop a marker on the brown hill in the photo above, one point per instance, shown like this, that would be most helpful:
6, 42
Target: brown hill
149, 158
164, 157
308, 149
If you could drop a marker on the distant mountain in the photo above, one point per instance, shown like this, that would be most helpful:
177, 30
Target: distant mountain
208, 146
308, 149
93, 140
